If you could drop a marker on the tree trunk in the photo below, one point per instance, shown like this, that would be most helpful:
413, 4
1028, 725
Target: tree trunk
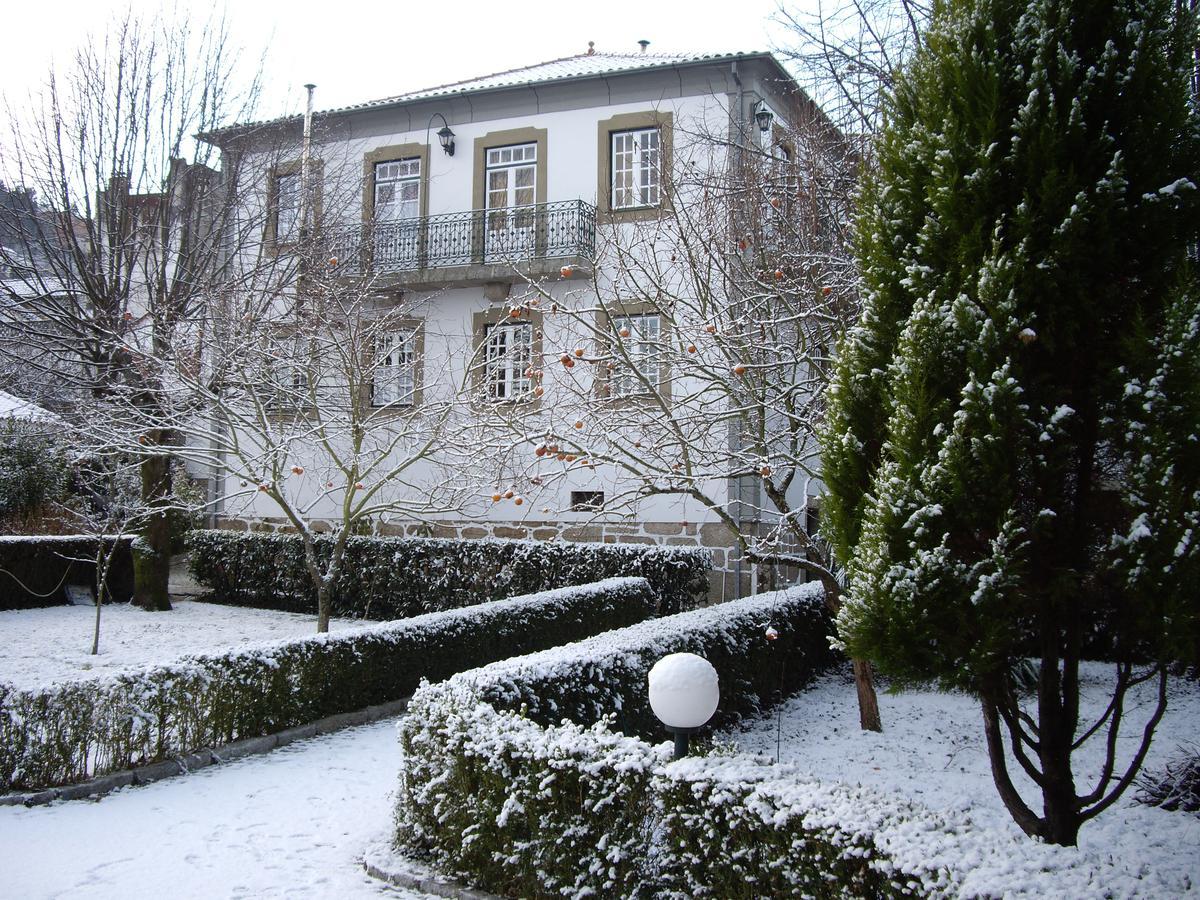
868, 701
864, 677
322, 608
152, 559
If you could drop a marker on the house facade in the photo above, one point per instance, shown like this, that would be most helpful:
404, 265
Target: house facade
515, 219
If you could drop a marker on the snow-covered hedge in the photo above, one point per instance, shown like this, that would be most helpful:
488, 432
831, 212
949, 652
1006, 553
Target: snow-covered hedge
268, 571
35, 569
493, 793
68, 732
606, 674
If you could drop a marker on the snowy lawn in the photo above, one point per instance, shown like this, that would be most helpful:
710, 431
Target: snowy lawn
932, 751
41, 646
292, 823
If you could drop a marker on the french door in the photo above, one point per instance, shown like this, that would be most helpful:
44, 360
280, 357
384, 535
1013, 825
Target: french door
511, 174
397, 226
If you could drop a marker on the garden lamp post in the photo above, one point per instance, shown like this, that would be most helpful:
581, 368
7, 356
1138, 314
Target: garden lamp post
683, 694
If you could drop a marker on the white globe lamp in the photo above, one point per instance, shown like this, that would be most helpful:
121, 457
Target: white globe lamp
684, 692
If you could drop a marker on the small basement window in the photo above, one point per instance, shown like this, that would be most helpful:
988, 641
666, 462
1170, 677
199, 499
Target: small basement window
587, 501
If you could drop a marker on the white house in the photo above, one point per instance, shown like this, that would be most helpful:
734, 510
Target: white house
517, 217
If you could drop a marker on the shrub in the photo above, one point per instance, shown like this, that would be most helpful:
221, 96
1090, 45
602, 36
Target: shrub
34, 570
491, 789
33, 469
268, 571
606, 674
1176, 786
493, 792
68, 732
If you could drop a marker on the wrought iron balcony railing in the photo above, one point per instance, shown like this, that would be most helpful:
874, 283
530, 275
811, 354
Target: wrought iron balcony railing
492, 237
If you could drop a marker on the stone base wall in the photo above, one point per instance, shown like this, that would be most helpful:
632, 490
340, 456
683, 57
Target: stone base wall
726, 581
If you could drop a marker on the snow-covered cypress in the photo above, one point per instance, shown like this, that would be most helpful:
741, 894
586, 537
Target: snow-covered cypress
1013, 442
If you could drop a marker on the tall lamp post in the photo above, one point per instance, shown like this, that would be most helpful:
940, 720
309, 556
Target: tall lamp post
684, 692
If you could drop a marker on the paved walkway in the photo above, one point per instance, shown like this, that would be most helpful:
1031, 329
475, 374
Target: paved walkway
292, 823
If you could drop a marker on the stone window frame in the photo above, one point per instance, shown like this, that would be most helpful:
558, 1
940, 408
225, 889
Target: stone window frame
480, 322
636, 121
417, 327
284, 168
606, 335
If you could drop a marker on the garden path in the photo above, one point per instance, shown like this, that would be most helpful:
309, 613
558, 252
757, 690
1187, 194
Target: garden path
291, 823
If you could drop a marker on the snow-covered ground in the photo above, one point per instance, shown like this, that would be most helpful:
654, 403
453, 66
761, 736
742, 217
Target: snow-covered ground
932, 750
41, 646
292, 823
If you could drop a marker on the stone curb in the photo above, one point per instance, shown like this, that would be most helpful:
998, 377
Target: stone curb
428, 882
201, 759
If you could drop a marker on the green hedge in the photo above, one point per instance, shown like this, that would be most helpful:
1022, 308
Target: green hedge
392, 578
492, 791
34, 570
605, 676
69, 732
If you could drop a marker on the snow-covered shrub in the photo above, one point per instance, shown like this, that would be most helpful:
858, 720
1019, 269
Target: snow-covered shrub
35, 569
606, 674
500, 790
268, 571
493, 789
1176, 786
68, 732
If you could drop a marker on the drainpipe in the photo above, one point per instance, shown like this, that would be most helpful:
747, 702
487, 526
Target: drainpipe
735, 437
306, 164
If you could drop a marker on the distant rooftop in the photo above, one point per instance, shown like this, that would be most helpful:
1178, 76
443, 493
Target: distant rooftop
567, 68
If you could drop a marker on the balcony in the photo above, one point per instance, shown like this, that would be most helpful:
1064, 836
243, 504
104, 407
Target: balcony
470, 248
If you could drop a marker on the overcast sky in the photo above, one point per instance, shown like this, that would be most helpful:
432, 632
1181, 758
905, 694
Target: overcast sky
355, 50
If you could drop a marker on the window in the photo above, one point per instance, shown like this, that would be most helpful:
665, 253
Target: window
393, 381
636, 168
639, 355
508, 356
398, 190
587, 501
287, 208
511, 191
284, 377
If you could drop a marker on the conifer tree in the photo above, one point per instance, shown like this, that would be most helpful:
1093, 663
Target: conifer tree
1012, 447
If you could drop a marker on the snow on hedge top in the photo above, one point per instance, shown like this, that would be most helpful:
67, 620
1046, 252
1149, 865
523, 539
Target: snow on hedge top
630, 647
476, 617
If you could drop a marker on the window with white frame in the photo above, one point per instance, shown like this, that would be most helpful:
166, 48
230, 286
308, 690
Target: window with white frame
636, 168
508, 355
284, 379
637, 363
398, 190
287, 208
393, 380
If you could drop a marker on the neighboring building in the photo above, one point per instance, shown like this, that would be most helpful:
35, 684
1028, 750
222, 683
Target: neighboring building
461, 195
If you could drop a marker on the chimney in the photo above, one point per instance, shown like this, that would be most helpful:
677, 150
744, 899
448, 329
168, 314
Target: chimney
643, 45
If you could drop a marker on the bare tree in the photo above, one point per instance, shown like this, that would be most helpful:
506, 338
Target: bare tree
694, 361
846, 53
133, 224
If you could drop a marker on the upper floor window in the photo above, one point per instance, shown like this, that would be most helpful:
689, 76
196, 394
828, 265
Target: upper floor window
637, 366
398, 190
394, 381
287, 208
636, 168
508, 356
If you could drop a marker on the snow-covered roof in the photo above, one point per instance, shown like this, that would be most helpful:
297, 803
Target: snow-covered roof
584, 65
15, 408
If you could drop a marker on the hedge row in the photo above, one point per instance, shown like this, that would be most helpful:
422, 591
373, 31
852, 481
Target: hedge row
605, 676
393, 578
492, 793
35, 570
69, 732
